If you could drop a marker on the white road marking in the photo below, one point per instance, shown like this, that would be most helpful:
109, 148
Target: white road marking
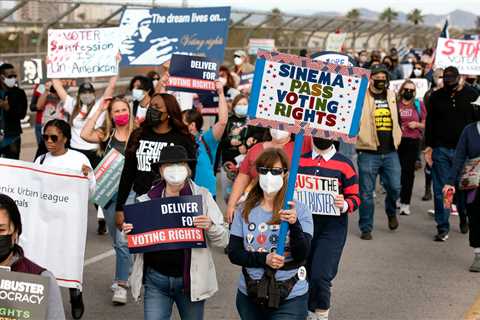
99, 257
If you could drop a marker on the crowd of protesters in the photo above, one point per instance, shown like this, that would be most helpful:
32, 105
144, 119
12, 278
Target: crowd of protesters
171, 151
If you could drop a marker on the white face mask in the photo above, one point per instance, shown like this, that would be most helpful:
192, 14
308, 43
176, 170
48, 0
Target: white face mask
279, 135
417, 72
271, 184
175, 174
241, 110
138, 94
155, 82
238, 61
87, 98
10, 82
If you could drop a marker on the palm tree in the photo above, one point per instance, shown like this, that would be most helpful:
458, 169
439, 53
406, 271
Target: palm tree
388, 15
415, 16
353, 14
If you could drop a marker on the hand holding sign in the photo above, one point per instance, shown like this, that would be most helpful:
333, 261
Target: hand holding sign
275, 261
160, 52
203, 222
289, 215
339, 201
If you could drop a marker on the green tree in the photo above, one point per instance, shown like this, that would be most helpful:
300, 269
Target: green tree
415, 16
353, 15
388, 15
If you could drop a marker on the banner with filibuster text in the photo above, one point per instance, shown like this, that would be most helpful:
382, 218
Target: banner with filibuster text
23, 296
296, 94
53, 204
318, 193
77, 53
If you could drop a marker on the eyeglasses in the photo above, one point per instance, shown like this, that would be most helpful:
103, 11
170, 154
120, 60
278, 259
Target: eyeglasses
52, 137
273, 171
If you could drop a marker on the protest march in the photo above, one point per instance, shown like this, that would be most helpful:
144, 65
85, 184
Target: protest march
229, 161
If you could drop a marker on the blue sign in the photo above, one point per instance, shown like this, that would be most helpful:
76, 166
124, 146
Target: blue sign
151, 36
192, 74
165, 224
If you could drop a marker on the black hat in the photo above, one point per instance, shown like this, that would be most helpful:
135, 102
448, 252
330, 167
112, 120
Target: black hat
172, 154
450, 72
379, 68
86, 87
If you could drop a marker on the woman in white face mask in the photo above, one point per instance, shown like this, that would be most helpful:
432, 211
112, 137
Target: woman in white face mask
190, 271
247, 171
142, 89
240, 59
254, 237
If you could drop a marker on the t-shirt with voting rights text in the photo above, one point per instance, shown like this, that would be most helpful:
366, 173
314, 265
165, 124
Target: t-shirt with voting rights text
383, 123
259, 236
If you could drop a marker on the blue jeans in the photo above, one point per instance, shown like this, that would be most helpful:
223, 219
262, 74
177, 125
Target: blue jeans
370, 165
441, 170
123, 258
38, 133
160, 294
291, 309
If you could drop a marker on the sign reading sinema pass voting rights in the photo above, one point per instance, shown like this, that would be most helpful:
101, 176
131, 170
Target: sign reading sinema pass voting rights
23, 296
297, 94
165, 224
192, 74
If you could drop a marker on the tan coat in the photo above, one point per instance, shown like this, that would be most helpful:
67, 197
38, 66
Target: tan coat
367, 137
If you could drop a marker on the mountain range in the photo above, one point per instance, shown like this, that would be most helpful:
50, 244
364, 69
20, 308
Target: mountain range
457, 18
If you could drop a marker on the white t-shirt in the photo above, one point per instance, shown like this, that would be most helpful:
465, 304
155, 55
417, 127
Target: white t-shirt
79, 122
72, 160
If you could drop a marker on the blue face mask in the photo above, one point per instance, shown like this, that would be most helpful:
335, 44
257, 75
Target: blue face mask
241, 110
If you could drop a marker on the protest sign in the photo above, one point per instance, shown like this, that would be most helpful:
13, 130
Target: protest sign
23, 296
75, 53
165, 224
32, 71
246, 80
151, 36
318, 194
421, 85
192, 74
260, 44
335, 41
54, 205
463, 54
298, 94
107, 176
209, 103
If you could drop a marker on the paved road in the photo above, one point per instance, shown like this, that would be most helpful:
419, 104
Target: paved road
397, 275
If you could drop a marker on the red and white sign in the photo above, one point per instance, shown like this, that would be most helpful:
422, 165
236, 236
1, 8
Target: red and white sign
463, 54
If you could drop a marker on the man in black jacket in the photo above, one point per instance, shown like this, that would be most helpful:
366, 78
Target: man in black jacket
13, 107
450, 111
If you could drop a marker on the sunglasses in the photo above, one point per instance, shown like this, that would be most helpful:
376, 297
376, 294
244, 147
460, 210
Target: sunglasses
52, 137
11, 76
273, 171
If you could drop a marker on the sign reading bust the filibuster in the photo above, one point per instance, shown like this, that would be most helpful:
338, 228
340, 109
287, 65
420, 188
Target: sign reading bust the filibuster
296, 94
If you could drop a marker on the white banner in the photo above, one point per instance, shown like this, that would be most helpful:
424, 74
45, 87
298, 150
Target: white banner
78, 53
260, 44
420, 84
53, 204
463, 54
335, 41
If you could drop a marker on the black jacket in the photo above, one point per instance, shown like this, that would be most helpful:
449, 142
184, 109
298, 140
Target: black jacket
17, 99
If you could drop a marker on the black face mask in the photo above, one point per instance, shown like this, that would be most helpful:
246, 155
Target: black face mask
380, 84
450, 86
470, 80
407, 94
6, 246
153, 117
322, 144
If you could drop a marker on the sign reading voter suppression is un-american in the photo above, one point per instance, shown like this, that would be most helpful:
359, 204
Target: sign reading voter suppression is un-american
296, 94
165, 224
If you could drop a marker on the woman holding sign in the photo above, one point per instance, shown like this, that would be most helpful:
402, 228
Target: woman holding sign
184, 276
57, 136
11, 256
271, 286
113, 136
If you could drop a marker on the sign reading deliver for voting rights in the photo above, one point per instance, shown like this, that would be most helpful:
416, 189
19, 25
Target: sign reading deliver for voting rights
296, 94
192, 74
23, 296
151, 36
165, 224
